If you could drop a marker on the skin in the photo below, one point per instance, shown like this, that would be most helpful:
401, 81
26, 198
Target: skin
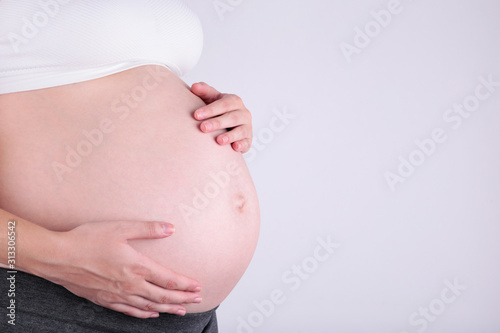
224, 111
109, 271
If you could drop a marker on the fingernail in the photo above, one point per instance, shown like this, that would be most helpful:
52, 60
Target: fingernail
197, 289
199, 114
154, 315
223, 139
181, 312
197, 300
207, 126
168, 229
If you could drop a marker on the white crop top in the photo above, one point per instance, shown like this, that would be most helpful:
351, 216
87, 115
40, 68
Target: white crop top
48, 43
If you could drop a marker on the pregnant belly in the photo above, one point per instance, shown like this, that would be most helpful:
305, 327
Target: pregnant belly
126, 147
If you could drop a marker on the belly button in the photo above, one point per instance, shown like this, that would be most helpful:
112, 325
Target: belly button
240, 202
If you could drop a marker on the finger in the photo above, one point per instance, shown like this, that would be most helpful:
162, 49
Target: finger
236, 134
207, 93
170, 302
242, 146
146, 305
145, 230
168, 279
227, 120
133, 312
159, 296
138, 313
226, 103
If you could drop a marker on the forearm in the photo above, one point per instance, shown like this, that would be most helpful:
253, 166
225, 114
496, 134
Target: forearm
24, 243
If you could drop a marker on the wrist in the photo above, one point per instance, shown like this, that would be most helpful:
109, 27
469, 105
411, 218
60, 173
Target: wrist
38, 250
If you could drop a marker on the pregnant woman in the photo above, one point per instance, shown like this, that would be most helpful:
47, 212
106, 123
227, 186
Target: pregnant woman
103, 151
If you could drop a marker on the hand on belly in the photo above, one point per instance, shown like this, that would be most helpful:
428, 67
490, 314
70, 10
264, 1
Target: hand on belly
95, 261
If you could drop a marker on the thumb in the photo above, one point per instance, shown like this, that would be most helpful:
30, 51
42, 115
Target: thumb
147, 230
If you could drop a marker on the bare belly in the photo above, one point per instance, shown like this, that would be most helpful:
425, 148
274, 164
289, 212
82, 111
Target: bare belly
126, 147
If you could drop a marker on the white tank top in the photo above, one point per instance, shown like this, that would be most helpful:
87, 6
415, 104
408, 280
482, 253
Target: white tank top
47, 43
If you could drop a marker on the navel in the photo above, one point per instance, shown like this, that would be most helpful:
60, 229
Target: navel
240, 201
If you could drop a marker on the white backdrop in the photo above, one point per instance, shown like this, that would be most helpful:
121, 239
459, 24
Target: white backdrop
376, 159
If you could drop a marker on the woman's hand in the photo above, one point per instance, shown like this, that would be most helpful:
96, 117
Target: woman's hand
95, 261
224, 111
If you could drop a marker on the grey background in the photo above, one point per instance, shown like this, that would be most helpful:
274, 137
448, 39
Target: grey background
323, 174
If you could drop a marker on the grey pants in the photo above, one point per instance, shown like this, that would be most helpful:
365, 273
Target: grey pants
42, 307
